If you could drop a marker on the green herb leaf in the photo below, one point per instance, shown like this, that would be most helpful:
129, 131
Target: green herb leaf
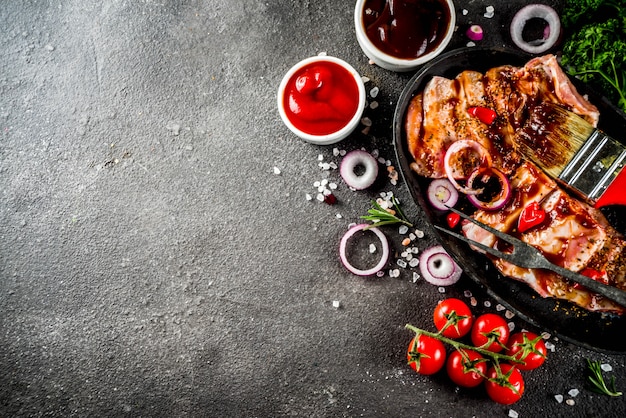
380, 216
597, 380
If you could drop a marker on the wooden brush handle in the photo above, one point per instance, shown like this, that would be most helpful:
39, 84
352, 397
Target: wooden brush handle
615, 194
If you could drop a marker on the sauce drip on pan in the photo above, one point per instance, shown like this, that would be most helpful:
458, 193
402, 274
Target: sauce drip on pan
406, 29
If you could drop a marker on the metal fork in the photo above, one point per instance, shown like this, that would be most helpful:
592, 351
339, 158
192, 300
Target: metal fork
527, 256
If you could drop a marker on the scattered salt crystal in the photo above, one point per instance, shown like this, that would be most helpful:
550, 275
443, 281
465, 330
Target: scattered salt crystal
415, 250
325, 166
489, 12
320, 157
487, 304
550, 346
308, 197
412, 236
419, 233
403, 229
464, 12
606, 367
323, 182
374, 92
336, 304
500, 307
414, 262
511, 326
333, 165
374, 105
401, 263
509, 314
441, 289
338, 216
380, 273
381, 160
546, 335
336, 152
470, 44
323, 54
473, 301
366, 121
394, 273
573, 392
570, 402
366, 130
467, 293
513, 414
49, 47
403, 254
387, 163
343, 152
317, 184
365, 79
559, 398
332, 186
372, 248
320, 197
416, 277
409, 256
326, 192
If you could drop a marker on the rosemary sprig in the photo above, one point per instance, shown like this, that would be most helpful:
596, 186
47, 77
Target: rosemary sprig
597, 380
380, 216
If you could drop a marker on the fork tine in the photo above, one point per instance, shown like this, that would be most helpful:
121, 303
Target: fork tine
505, 237
486, 248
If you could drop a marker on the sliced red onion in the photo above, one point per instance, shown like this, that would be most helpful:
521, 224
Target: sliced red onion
349, 164
505, 189
442, 194
475, 33
459, 146
550, 36
438, 268
344, 243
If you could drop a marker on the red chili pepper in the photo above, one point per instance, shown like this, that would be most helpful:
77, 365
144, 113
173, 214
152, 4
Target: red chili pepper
597, 275
484, 114
532, 215
453, 219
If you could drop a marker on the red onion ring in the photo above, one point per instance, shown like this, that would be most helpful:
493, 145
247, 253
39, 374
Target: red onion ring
540, 11
459, 146
344, 243
351, 161
474, 32
502, 197
442, 194
438, 268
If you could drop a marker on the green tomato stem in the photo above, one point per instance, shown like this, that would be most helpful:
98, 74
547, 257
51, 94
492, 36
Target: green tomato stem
495, 357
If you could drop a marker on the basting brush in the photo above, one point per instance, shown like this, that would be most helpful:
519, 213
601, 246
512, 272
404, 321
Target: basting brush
575, 153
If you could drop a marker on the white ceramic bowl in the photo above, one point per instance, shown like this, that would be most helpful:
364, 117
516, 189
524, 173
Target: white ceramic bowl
333, 137
390, 62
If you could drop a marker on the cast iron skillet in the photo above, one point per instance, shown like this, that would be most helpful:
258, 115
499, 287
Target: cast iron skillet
600, 332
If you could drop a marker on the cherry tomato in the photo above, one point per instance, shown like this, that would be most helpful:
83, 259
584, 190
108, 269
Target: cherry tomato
454, 317
528, 347
466, 368
491, 332
532, 215
426, 355
505, 387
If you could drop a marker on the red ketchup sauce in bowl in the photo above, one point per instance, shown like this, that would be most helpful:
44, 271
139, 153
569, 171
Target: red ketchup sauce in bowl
321, 99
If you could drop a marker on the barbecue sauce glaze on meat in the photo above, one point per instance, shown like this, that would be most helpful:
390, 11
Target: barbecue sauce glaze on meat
574, 235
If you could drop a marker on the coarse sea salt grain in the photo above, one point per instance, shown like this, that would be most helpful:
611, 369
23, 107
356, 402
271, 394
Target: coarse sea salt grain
416, 277
441, 289
336, 304
573, 392
513, 414
414, 262
372, 248
489, 12
570, 402
374, 92
308, 197
401, 263
559, 398
606, 367
403, 229
276, 170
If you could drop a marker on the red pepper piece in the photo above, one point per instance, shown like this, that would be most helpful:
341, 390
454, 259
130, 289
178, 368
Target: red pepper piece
532, 215
484, 114
597, 275
453, 219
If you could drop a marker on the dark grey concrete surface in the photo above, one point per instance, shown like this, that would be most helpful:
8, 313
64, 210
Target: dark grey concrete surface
153, 262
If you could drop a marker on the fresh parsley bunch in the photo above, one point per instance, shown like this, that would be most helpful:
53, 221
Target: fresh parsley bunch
595, 46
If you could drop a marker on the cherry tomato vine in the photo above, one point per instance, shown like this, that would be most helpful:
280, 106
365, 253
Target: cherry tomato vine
495, 358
